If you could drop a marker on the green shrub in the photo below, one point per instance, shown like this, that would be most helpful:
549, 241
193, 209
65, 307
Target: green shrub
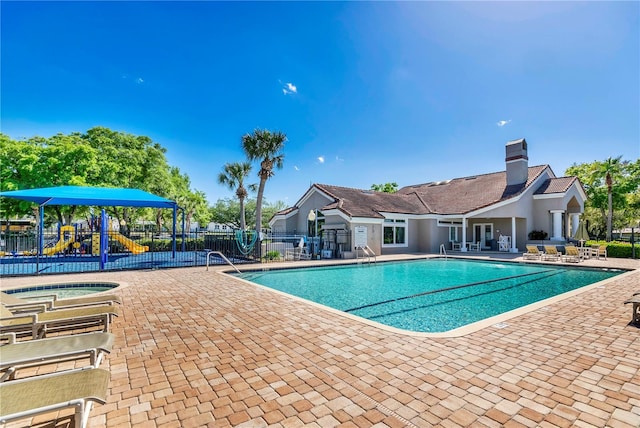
538, 235
617, 249
158, 245
272, 255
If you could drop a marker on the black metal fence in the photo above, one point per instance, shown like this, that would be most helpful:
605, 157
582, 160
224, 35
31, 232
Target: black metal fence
79, 251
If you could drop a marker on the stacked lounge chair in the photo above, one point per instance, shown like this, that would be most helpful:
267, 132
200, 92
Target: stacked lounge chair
77, 388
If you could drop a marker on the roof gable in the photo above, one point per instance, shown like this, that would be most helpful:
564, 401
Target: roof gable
555, 185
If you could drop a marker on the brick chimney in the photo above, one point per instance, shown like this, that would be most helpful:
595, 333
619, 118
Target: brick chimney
517, 162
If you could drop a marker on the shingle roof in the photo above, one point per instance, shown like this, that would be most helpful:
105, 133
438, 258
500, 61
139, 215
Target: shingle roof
457, 196
463, 195
368, 203
555, 185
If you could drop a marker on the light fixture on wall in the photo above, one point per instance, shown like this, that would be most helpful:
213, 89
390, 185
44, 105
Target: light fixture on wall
313, 216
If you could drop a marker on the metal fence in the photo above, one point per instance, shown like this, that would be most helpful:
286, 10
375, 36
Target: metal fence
79, 251
144, 250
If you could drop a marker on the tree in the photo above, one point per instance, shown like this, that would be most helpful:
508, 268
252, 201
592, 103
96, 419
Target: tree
233, 176
386, 187
613, 189
266, 147
610, 168
100, 157
227, 211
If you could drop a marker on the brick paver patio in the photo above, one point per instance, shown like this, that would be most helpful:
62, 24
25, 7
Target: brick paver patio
195, 348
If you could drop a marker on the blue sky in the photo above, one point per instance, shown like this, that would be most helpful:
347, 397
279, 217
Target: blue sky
367, 92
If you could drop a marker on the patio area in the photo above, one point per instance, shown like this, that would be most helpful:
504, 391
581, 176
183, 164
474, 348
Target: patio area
196, 348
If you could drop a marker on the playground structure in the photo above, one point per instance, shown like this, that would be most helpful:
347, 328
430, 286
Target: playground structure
67, 237
90, 197
70, 239
129, 244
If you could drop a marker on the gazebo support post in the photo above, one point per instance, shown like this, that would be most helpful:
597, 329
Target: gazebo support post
175, 215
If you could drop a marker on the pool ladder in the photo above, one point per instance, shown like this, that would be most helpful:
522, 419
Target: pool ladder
223, 258
443, 251
367, 252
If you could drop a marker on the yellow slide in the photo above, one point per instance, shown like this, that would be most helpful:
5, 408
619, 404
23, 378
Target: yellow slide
60, 246
67, 237
131, 245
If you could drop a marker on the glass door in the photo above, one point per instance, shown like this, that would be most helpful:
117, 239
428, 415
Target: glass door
483, 232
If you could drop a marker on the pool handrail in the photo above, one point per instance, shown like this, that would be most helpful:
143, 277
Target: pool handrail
223, 258
368, 252
443, 251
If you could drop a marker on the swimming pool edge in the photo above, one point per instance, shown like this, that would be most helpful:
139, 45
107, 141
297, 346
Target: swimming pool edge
496, 321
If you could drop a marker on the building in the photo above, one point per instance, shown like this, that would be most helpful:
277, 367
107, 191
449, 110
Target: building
494, 211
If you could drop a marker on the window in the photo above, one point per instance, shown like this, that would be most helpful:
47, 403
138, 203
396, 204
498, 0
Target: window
394, 232
453, 234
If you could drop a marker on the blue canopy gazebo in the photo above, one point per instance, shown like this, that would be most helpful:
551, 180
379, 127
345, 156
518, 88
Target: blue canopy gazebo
92, 196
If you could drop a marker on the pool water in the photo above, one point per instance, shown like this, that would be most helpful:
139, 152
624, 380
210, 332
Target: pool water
434, 295
63, 291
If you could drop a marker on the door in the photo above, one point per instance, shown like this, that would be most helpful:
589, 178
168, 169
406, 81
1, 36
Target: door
483, 232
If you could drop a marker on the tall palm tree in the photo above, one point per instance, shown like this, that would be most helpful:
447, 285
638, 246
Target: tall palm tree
233, 176
266, 147
611, 168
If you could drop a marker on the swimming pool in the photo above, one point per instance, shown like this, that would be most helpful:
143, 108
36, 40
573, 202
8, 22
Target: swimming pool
63, 290
433, 295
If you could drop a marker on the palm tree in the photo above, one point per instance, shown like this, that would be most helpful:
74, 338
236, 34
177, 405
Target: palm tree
266, 147
233, 177
610, 168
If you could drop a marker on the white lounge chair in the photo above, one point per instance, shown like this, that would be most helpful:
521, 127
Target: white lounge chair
598, 251
532, 253
25, 398
33, 353
551, 253
572, 254
38, 324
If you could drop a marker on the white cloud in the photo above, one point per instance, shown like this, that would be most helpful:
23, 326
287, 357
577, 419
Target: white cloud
139, 80
289, 88
321, 159
503, 123
296, 168
339, 159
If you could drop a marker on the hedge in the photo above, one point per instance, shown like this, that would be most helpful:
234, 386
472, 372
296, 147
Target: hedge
617, 249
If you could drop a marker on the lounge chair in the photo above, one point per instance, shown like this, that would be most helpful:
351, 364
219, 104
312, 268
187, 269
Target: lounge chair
38, 324
635, 309
572, 254
551, 253
52, 302
34, 353
598, 251
532, 253
25, 398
